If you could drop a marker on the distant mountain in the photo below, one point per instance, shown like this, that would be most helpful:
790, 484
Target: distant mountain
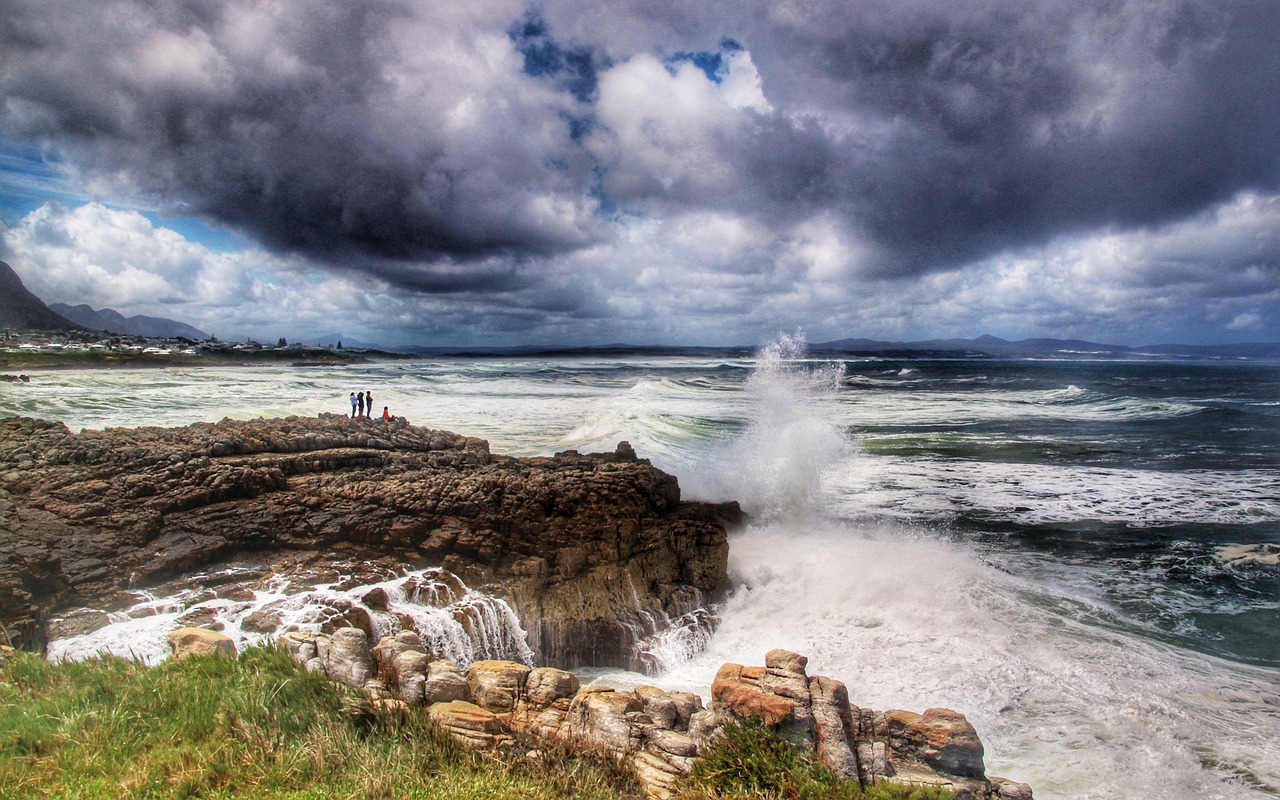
111, 320
995, 347
22, 310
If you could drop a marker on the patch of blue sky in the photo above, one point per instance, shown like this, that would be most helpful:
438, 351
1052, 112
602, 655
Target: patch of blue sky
574, 69
713, 64
29, 178
606, 207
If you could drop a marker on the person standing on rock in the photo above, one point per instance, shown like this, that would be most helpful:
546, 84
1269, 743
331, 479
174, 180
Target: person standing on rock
386, 415
368, 404
353, 405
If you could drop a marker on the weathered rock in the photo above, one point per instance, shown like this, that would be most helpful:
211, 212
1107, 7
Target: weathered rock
659, 776
1010, 790
389, 649
786, 662
738, 689
304, 646
467, 722
445, 683
346, 656
593, 552
187, 642
659, 705
545, 685
261, 621
936, 749
687, 704
672, 742
81, 621
497, 685
833, 726
411, 670
941, 738
601, 716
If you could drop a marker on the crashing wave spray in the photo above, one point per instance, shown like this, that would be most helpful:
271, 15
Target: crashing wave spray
775, 469
791, 439
454, 621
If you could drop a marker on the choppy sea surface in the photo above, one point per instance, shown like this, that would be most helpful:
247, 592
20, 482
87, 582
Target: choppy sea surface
1072, 553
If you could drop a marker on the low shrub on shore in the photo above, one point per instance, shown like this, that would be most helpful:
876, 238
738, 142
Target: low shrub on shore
261, 726
748, 761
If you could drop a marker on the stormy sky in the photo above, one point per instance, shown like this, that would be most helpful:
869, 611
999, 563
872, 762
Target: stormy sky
494, 172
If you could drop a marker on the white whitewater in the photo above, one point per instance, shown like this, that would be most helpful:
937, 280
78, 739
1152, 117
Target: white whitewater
454, 621
910, 620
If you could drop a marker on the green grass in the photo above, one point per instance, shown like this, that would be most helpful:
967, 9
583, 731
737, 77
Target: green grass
258, 726
748, 761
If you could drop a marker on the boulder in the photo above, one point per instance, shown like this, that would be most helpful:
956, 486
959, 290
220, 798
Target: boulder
545, 685
411, 674
1010, 790
739, 690
497, 685
445, 683
603, 718
833, 726
305, 647
187, 642
659, 705
346, 656
687, 704
386, 655
940, 738
467, 722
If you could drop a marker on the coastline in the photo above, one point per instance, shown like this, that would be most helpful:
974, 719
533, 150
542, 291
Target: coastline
1079, 484
582, 547
47, 362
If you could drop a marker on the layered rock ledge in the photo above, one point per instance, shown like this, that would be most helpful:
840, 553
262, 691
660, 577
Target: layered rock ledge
660, 732
593, 552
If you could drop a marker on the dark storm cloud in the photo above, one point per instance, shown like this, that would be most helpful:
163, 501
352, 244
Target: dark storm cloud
321, 136
1005, 124
428, 145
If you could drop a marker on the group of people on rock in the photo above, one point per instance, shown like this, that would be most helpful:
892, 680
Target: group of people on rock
362, 406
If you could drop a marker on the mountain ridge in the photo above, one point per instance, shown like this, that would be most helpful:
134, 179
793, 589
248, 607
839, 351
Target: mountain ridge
108, 319
20, 309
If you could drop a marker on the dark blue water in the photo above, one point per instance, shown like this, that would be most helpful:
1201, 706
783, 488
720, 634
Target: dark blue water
1134, 481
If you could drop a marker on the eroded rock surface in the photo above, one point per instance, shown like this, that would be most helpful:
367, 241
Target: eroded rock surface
592, 551
662, 733
188, 642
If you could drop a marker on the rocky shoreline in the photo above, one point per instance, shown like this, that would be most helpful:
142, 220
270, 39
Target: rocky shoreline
660, 733
593, 552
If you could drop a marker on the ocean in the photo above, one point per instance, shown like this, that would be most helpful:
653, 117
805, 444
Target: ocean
1067, 551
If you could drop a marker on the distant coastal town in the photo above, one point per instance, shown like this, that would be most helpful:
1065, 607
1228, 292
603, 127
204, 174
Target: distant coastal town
101, 348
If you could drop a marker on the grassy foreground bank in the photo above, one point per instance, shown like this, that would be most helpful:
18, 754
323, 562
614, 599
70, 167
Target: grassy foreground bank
260, 726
